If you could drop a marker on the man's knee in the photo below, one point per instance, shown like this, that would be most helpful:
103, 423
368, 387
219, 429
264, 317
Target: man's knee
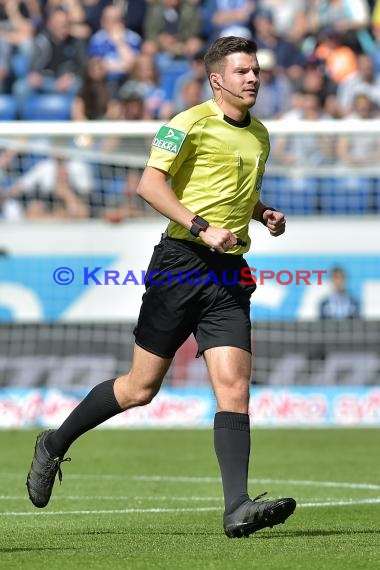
232, 394
144, 396
131, 394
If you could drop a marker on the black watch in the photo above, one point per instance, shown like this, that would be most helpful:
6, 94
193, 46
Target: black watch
198, 225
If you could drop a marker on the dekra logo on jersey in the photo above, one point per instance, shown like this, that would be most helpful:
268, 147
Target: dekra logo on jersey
169, 139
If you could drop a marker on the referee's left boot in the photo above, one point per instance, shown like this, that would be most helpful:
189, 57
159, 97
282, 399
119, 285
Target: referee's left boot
253, 515
42, 472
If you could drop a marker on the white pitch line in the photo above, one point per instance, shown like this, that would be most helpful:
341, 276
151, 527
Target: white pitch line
111, 511
117, 498
182, 479
174, 479
296, 482
182, 510
342, 503
310, 483
112, 498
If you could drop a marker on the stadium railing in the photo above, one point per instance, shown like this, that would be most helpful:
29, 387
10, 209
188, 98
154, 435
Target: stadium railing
304, 175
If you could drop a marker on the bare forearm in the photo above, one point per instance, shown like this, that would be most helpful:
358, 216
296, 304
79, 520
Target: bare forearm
154, 189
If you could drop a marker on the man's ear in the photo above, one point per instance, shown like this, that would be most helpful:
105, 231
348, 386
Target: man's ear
215, 80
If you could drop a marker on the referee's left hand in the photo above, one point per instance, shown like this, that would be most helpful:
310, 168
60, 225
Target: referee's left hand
275, 222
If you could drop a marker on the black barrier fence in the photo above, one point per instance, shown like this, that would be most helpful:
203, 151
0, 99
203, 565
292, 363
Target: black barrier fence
73, 355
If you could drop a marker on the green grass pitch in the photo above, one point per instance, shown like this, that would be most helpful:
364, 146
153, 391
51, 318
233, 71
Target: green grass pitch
152, 499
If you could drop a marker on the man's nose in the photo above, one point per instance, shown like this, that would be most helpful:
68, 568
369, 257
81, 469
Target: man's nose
253, 77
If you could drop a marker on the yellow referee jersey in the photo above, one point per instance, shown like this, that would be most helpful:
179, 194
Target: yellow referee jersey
216, 167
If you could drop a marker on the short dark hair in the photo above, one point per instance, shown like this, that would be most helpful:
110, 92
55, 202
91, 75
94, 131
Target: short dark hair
337, 269
214, 57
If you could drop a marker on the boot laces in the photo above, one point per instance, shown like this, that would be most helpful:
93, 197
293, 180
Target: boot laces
260, 497
52, 467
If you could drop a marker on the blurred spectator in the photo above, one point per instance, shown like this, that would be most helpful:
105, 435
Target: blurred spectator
10, 209
228, 17
145, 72
5, 71
19, 20
172, 31
93, 10
84, 15
340, 60
361, 148
339, 304
127, 203
306, 149
54, 188
314, 80
288, 55
116, 45
289, 18
295, 111
356, 153
135, 12
93, 101
191, 94
349, 19
131, 97
197, 71
76, 12
57, 60
365, 81
173, 27
275, 88
375, 53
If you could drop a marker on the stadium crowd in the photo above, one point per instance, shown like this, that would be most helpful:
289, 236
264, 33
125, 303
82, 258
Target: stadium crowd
143, 59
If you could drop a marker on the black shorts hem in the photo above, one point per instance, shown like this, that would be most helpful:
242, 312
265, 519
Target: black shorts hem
155, 352
216, 345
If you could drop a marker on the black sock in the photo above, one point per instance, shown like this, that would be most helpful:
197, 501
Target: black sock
232, 441
97, 407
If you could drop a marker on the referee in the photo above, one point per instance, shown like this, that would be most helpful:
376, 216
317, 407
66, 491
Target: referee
204, 173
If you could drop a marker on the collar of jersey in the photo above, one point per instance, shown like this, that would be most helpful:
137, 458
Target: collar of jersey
240, 124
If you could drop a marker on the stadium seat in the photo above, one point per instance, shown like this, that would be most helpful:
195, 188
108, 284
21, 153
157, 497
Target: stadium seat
291, 196
8, 108
51, 107
342, 196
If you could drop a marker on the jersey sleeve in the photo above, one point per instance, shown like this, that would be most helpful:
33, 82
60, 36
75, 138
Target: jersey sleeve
171, 146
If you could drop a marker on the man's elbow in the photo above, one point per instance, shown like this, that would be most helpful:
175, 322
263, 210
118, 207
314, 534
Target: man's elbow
142, 189
150, 180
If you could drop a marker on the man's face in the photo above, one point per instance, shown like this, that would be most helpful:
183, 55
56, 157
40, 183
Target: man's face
338, 280
241, 77
59, 25
133, 109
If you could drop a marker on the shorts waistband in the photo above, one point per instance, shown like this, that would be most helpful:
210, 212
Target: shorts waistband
202, 250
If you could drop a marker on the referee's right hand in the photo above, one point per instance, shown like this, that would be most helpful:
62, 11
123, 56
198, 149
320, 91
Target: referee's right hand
218, 239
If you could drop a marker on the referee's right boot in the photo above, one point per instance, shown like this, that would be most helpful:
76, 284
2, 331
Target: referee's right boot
42, 472
253, 515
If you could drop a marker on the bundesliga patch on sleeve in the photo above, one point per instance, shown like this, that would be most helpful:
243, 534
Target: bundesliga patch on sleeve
169, 139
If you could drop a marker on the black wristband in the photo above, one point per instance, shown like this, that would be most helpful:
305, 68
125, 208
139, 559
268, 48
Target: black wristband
198, 225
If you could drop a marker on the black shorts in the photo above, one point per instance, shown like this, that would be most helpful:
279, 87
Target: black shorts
191, 290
